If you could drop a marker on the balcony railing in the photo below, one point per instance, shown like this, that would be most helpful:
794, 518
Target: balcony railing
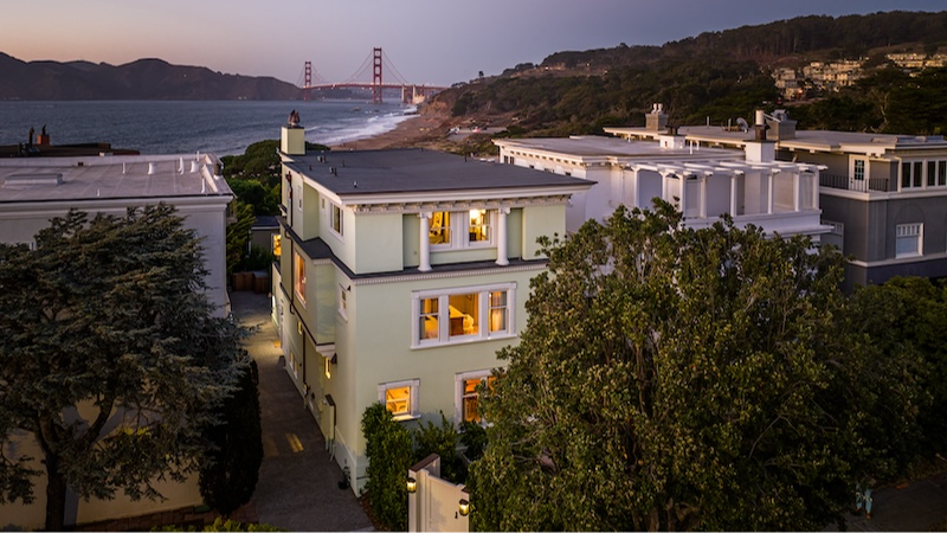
836, 181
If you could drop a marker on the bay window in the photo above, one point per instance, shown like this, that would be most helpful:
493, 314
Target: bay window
463, 314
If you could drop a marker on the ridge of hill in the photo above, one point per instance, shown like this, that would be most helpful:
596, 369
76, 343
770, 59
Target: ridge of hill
144, 79
715, 77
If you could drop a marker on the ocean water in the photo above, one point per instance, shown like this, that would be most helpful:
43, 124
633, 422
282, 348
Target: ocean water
166, 127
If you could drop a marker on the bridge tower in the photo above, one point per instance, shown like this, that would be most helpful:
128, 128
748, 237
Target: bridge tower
307, 81
376, 77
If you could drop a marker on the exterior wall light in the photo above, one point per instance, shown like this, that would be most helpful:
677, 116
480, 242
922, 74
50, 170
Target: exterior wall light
464, 507
412, 485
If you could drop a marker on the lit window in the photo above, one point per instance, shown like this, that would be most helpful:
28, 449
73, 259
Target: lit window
498, 311
335, 219
463, 314
469, 404
439, 232
908, 239
299, 267
277, 245
401, 398
479, 228
428, 319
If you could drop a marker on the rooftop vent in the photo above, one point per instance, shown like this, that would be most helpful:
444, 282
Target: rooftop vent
34, 179
151, 168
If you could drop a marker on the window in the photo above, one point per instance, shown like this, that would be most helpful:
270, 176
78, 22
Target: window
463, 314
466, 396
460, 229
401, 398
299, 267
479, 228
912, 174
277, 245
908, 240
439, 233
335, 219
858, 171
343, 302
936, 173
835, 237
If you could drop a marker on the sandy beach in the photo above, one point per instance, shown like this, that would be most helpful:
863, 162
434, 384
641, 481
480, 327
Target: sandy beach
430, 125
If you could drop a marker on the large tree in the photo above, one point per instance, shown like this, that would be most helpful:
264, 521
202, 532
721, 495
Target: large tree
671, 378
111, 358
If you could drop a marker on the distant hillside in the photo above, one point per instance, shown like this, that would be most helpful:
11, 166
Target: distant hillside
715, 77
145, 79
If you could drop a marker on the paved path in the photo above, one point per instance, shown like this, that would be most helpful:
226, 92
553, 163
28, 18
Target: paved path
917, 506
298, 487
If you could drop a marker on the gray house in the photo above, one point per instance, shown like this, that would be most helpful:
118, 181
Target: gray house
884, 196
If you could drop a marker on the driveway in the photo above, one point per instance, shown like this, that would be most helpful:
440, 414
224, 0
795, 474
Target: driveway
298, 487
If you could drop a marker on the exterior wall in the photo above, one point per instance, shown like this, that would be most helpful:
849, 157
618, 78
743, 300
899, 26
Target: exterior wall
386, 354
538, 221
379, 243
79, 511
20, 222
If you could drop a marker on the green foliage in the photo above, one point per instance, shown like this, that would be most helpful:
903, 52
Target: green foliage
474, 437
671, 378
230, 475
908, 314
388, 449
442, 440
238, 235
109, 313
220, 524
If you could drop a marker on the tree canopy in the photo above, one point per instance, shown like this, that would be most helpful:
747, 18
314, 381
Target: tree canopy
112, 358
671, 378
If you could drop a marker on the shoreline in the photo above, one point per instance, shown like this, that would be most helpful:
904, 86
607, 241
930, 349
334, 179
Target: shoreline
409, 132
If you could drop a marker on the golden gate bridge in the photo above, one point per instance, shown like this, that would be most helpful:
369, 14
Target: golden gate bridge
379, 64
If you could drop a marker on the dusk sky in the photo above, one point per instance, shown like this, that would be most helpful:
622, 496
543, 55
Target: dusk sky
429, 41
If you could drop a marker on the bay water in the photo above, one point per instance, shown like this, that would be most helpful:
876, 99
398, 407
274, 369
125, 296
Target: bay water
178, 127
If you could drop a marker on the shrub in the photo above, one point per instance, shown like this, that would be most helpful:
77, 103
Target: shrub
389, 454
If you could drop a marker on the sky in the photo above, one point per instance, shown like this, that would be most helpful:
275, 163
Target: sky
434, 42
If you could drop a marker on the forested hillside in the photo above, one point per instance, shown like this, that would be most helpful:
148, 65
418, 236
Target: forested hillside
719, 76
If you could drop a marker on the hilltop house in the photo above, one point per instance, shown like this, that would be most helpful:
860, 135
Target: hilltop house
883, 197
401, 273
35, 189
704, 183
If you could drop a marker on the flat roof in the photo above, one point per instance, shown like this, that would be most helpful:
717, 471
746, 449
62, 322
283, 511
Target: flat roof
103, 178
591, 146
819, 140
415, 170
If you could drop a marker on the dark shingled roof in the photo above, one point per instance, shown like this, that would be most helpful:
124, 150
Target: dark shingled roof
373, 172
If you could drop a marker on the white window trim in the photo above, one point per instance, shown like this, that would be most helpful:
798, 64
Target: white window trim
343, 302
301, 261
330, 212
459, 380
484, 334
460, 233
414, 385
919, 235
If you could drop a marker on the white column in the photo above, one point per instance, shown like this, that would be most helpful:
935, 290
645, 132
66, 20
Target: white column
703, 196
769, 194
815, 188
501, 236
734, 194
796, 200
683, 179
425, 259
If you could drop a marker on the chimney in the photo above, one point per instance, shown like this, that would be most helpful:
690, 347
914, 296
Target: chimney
760, 150
293, 140
656, 120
